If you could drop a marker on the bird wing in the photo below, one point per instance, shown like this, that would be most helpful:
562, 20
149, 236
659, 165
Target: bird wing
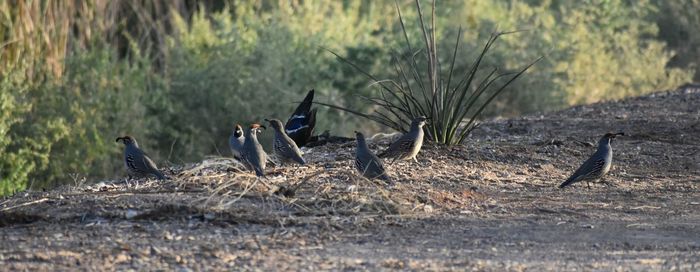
288, 149
301, 124
235, 146
140, 161
373, 167
591, 168
401, 145
305, 106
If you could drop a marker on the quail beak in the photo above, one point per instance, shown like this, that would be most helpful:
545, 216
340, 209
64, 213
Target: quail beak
119, 138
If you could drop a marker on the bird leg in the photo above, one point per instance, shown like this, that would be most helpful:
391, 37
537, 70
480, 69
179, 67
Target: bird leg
394, 160
604, 181
126, 181
588, 183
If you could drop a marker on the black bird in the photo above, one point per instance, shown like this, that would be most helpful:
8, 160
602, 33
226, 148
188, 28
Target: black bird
301, 124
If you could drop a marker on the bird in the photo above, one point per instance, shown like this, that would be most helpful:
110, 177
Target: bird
366, 162
597, 165
236, 141
301, 124
253, 154
285, 148
137, 163
408, 146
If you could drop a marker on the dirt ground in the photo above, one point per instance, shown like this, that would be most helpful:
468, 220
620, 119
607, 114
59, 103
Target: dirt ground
491, 204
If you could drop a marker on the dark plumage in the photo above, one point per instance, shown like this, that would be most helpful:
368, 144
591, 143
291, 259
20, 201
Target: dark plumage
137, 162
366, 162
597, 165
301, 124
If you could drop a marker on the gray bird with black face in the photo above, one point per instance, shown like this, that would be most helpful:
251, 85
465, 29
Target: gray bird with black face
138, 164
597, 165
366, 162
236, 141
408, 146
285, 148
253, 154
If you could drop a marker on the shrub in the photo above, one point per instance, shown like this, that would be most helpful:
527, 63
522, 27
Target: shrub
422, 87
594, 50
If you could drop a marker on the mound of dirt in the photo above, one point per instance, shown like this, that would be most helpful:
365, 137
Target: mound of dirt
490, 204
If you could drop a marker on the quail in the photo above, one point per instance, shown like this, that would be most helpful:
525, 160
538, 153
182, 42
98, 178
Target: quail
253, 154
301, 124
137, 163
597, 165
366, 162
235, 141
285, 148
408, 146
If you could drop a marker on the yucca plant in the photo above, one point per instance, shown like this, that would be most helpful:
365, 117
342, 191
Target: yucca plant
452, 102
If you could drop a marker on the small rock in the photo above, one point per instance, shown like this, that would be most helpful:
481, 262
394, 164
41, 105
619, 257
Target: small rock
130, 214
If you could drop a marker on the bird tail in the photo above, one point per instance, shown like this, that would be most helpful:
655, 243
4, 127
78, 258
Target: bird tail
160, 175
259, 172
311, 121
567, 182
305, 105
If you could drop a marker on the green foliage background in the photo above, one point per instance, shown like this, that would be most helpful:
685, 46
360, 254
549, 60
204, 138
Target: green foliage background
178, 75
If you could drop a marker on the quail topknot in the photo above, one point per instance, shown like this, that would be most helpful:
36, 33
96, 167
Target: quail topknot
300, 125
366, 162
253, 154
138, 164
284, 147
408, 146
597, 165
236, 141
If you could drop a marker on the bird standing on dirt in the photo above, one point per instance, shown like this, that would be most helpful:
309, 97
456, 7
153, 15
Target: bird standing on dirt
137, 163
597, 165
236, 141
301, 124
408, 146
253, 154
366, 162
285, 148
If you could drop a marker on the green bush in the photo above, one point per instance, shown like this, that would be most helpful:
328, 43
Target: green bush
425, 84
225, 68
28, 138
594, 50
678, 23
101, 97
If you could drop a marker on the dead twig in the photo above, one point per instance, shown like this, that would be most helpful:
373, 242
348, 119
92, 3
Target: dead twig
26, 204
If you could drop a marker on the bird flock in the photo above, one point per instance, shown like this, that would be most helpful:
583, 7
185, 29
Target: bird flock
298, 130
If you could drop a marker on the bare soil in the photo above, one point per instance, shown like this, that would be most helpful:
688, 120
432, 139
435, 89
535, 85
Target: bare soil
491, 204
